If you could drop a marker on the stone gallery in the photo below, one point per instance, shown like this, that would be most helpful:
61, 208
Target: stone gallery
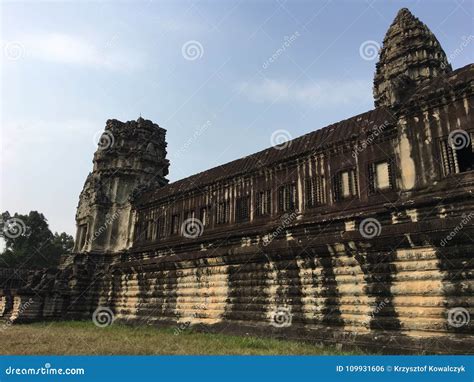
359, 234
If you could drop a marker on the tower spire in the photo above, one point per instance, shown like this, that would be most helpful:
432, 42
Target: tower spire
410, 56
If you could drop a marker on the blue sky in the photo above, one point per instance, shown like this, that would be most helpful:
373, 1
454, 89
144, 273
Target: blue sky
67, 67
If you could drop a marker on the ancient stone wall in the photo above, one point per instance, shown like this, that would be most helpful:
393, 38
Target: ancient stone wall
358, 234
403, 290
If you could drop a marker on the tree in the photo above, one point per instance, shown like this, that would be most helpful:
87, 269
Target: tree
63, 241
29, 243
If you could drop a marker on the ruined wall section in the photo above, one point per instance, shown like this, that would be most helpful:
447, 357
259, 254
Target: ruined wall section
130, 157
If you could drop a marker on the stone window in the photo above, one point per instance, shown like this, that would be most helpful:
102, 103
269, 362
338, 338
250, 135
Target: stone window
457, 156
223, 212
189, 215
315, 191
381, 176
287, 197
144, 227
345, 185
263, 203
242, 208
138, 230
158, 228
175, 224
204, 216
149, 229
82, 236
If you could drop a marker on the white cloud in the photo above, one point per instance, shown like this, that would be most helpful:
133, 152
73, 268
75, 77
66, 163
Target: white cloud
322, 93
26, 139
74, 50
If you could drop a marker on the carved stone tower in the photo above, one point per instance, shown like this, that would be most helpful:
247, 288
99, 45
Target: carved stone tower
130, 157
410, 56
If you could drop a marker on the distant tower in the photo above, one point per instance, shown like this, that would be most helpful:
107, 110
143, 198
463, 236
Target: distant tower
410, 56
130, 157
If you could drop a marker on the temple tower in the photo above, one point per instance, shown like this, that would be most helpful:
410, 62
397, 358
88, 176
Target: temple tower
130, 157
410, 56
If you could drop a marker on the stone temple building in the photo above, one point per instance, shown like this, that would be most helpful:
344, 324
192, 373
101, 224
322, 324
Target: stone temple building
358, 234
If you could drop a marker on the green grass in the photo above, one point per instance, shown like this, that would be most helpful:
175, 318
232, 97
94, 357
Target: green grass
58, 338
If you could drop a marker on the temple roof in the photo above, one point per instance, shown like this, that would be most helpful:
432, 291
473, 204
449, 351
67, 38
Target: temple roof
310, 143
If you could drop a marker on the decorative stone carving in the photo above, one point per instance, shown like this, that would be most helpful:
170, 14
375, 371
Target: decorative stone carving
410, 56
126, 162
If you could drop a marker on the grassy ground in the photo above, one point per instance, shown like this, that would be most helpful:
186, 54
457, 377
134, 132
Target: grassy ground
61, 338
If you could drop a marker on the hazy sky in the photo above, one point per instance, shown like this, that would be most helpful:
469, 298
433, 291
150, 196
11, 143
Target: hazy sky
220, 76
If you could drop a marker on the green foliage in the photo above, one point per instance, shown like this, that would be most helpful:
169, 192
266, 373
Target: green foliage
29, 243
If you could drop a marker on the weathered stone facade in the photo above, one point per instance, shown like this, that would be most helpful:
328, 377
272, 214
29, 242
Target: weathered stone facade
359, 233
130, 156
